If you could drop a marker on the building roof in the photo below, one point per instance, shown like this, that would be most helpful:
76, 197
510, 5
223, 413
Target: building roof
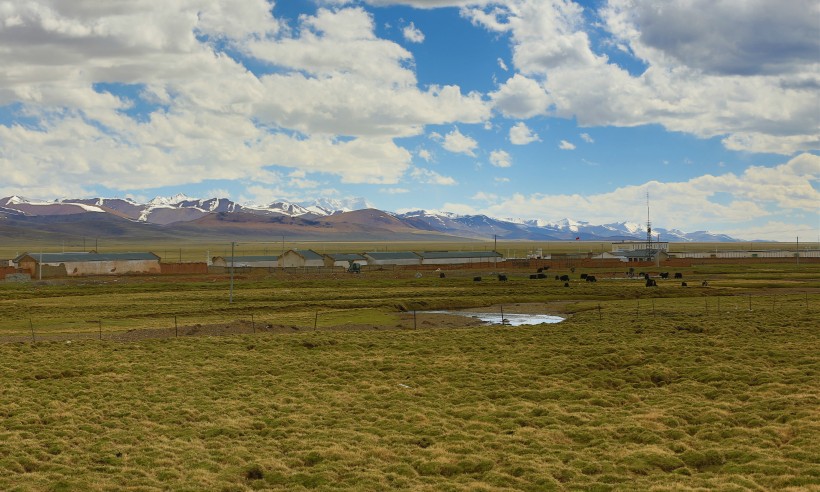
86, 257
393, 255
307, 254
436, 255
345, 256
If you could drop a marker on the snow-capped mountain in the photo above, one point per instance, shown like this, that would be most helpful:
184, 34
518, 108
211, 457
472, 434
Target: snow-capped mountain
327, 215
287, 208
329, 206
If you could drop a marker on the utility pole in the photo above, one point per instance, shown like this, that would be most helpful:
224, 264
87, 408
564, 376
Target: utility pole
659, 250
648, 231
230, 299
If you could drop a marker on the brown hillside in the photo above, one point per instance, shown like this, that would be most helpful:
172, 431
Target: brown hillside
368, 219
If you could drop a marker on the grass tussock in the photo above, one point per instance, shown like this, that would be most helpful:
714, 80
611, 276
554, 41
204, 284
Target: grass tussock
575, 405
629, 396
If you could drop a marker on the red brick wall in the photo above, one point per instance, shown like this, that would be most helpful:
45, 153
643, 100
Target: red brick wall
175, 268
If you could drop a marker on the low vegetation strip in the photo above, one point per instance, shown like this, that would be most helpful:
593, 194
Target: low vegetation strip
796, 306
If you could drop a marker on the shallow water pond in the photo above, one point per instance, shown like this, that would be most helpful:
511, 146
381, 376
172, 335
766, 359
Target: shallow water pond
510, 319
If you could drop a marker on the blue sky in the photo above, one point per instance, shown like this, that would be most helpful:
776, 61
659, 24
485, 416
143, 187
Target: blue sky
533, 109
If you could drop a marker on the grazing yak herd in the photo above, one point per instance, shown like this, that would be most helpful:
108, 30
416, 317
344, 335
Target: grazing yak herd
649, 282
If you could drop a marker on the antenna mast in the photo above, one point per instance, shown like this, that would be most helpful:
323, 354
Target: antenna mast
648, 231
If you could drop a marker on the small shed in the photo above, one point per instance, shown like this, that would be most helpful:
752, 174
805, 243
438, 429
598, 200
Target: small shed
459, 257
344, 259
259, 261
78, 264
392, 258
301, 258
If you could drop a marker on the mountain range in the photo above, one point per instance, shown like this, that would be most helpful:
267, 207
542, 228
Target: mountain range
353, 219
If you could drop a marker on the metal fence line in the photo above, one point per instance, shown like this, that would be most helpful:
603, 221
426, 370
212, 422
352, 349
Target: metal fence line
107, 328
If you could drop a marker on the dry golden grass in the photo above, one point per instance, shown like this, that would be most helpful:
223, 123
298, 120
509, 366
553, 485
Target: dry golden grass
659, 389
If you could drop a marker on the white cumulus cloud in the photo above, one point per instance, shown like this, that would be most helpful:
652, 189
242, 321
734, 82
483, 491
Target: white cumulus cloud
720, 200
334, 99
500, 158
413, 34
428, 176
521, 134
458, 143
521, 97
748, 75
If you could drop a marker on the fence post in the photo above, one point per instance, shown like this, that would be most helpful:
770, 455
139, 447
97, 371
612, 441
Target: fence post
750, 302
315, 320
253, 324
176, 329
414, 320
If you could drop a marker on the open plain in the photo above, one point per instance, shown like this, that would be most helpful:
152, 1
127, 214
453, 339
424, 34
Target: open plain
330, 381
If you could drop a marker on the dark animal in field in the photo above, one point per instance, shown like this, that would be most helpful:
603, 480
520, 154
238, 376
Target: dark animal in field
583, 276
646, 276
533, 276
565, 278
476, 279
651, 283
704, 284
502, 277
665, 275
566, 284
557, 277
441, 275
678, 275
542, 275
540, 270
683, 284
591, 278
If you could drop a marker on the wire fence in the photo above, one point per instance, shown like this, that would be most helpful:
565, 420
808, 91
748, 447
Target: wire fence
743, 306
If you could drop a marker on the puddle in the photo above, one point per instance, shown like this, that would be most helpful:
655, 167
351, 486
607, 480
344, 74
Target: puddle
510, 319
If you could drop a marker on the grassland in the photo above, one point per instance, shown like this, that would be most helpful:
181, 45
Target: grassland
670, 388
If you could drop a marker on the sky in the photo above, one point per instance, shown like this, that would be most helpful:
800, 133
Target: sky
531, 109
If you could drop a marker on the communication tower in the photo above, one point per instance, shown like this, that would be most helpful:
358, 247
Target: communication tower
648, 231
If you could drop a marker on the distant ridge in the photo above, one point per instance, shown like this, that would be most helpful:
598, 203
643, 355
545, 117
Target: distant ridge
354, 218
